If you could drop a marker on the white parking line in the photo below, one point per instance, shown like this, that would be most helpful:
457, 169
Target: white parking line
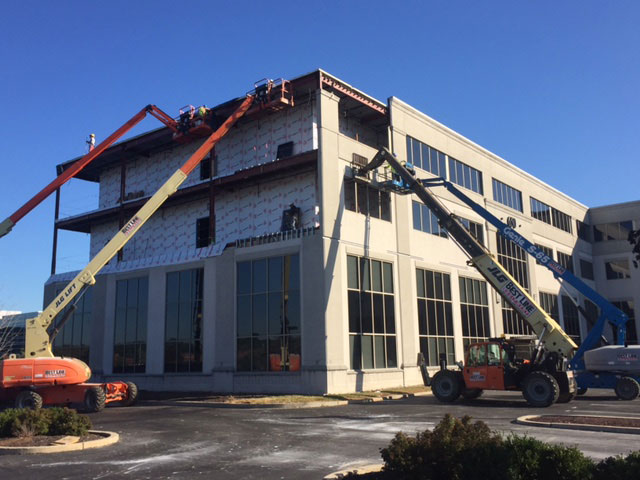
608, 413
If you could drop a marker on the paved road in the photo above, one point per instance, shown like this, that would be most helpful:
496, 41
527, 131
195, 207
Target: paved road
164, 440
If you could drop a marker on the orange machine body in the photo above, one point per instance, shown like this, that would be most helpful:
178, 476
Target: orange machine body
40, 372
484, 367
58, 380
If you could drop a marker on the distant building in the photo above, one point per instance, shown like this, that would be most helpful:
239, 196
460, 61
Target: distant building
12, 326
273, 269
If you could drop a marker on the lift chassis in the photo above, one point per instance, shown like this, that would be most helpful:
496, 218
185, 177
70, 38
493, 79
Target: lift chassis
614, 367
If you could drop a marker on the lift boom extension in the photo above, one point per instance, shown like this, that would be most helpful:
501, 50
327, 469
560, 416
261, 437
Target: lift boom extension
37, 338
81, 163
548, 331
609, 312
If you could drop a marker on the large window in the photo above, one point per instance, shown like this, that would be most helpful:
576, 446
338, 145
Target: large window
435, 316
372, 319
514, 259
586, 269
541, 211
566, 261
474, 309
560, 220
550, 215
75, 337
617, 269
584, 230
465, 176
363, 198
268, 314
474, 228
183, 324
549, 304
612, 231
130, 342
425, 221
571, 319
425, 157
506, 195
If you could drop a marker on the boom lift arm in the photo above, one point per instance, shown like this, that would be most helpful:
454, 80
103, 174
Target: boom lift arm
38, 340
81, 163
549, 333
608, 311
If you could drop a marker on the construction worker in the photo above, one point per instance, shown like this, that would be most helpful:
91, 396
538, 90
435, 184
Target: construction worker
202, 111
92, 141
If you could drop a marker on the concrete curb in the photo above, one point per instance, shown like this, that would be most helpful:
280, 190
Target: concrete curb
109, 438
374, 467
526, 420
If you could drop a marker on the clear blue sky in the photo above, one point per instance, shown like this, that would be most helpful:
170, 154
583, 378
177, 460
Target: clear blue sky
550, 86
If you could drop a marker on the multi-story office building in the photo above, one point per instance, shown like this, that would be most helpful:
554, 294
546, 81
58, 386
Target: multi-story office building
221, 290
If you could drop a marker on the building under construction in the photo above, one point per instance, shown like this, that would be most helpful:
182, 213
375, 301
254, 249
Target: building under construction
275, 269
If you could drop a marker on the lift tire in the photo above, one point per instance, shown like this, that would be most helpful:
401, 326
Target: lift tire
582, 391
471, 393
566, 397
540, 389
446, 386
94, 400
28, 399
627, 388
132, 394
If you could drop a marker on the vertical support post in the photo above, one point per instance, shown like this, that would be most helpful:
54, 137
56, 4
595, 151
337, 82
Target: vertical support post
54, 249
212, 199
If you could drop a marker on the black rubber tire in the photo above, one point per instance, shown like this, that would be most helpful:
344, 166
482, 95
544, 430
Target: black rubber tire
446, 386
471, 393
132, 394
566, 397
94, 400
627, 388
582, 391
28, 399
540, 389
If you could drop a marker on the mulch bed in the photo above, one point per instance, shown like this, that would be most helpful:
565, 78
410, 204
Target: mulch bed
40, 440
585, 420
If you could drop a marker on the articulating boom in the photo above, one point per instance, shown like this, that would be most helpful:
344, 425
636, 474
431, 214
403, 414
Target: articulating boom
81, 163
550, 334
37, 338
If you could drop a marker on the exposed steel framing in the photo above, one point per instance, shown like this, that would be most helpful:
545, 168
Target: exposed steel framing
351, 92
251, 176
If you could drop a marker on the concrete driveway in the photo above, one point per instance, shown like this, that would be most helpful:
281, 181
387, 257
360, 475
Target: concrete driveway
167, 440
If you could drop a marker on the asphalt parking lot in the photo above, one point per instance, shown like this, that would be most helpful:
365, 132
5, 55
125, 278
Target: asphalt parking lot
169, 440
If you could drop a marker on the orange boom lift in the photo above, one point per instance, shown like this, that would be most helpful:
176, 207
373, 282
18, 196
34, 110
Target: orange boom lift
43, 379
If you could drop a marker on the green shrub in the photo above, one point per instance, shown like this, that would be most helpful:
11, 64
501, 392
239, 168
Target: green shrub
25, 422
531, 459
28, 423
64, 421
456, 449
7, 418
618, 468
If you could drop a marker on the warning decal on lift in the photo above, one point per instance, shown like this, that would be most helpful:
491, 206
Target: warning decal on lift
54, 373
